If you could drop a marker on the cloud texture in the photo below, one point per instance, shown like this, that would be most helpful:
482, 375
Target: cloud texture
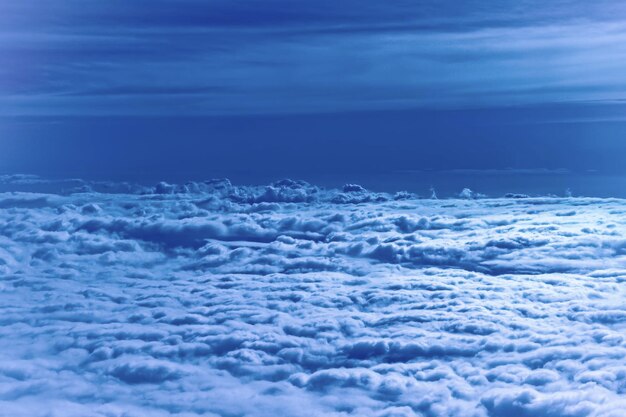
214, 300
224, 57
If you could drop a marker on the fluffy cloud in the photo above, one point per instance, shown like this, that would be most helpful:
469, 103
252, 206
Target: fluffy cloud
215, 300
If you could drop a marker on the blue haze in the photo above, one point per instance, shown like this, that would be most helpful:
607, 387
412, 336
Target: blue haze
326, 91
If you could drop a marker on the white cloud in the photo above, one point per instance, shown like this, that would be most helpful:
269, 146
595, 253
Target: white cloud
214, 300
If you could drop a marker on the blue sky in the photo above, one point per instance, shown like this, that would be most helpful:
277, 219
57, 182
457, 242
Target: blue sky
84, 75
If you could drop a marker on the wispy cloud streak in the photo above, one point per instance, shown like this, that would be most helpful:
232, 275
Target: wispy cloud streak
278, 57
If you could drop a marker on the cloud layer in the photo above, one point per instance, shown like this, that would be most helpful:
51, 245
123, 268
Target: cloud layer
224, 57
214, 300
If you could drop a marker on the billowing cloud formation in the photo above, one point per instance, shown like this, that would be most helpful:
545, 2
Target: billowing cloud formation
214, 300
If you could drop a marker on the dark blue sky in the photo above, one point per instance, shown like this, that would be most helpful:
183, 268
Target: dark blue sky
289, 88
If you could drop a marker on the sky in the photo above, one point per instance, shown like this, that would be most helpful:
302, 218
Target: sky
264, 89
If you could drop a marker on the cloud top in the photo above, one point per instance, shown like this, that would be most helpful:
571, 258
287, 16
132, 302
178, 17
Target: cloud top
289, 299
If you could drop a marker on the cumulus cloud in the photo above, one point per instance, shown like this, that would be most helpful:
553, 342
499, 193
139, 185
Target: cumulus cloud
289, 299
